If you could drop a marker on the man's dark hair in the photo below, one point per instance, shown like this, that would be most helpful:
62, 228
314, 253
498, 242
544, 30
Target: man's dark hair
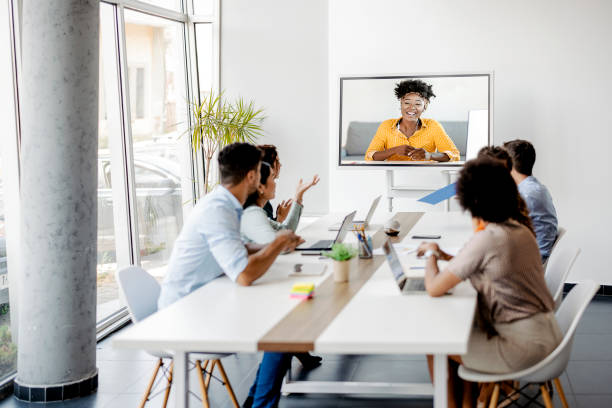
264, 172
269, 154
413, 86
236, 160
486, 189
523, 155
498, 153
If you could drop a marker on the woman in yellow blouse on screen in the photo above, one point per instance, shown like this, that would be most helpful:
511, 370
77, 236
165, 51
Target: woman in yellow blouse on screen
412, 137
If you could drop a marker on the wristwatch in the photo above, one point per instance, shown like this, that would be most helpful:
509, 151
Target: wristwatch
431, 252
427, 156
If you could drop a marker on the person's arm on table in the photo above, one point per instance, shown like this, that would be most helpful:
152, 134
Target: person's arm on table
403, 150
259, 262
378, 151
437, 283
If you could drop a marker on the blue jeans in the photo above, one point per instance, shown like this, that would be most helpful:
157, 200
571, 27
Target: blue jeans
265, 391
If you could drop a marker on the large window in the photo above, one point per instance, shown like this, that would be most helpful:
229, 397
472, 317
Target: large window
147, 171
8, 350
157, 77
9, 193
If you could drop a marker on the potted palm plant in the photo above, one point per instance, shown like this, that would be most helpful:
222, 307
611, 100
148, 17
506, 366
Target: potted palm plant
218, 122
341, 254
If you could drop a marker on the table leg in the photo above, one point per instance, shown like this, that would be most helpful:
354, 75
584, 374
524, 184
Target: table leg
181, 379
440, 380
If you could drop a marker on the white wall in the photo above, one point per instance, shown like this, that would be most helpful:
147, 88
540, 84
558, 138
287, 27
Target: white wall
552, 64
275, 52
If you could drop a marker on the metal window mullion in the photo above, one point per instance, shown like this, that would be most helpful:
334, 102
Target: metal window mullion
193, 86
10, 155
109, 55
128, 162
150, 9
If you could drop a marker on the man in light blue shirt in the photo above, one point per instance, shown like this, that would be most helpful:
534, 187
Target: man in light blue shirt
209, 244
539, 201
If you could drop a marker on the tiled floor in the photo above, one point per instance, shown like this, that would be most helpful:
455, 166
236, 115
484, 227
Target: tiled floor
124, 374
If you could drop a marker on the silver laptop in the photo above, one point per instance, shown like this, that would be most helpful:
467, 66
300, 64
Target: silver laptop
365, 222
405, 284
326, 244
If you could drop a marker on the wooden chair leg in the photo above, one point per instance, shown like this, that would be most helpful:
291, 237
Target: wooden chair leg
230, 391
168, 386
561, 393
495, 396
160, 362
209, 376
485, 393
203, 385
546, 396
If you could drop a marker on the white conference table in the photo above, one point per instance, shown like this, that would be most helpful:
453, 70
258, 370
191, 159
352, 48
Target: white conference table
372, 317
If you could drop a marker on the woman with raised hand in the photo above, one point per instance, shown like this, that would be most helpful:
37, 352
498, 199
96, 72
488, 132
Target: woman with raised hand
255, 226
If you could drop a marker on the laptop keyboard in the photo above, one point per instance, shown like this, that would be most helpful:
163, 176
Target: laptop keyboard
414, 285
326, 243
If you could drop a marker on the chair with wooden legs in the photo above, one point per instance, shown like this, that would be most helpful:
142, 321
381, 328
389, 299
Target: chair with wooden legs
141, 291
551, 367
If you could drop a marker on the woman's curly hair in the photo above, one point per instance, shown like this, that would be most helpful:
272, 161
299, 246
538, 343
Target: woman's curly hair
413, 86
486, 189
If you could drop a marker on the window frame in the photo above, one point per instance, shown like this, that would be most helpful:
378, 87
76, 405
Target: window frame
124, 180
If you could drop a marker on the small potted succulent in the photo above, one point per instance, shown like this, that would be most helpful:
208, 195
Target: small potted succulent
341, 254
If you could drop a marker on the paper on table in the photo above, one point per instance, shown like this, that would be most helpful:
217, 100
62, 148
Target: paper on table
399, 248
439, 195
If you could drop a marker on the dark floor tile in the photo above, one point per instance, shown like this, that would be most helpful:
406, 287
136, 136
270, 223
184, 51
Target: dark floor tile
590, 377
593, 401
391, 371
595, 323
592, 347
115, 377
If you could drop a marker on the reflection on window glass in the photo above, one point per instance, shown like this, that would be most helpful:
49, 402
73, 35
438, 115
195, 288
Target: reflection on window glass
156, 67
107, 289
204, 52
8, 350
203, 7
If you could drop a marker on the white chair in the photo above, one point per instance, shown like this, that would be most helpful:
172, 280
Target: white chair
551, 367
141, 291
559, 265
560, 233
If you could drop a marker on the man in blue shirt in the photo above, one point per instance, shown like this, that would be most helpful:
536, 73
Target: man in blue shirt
536, 195
210, 246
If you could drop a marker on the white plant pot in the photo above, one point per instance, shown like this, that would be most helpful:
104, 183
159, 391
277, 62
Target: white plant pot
341, 271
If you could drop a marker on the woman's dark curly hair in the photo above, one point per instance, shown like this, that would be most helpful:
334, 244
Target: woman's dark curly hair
265, 172
486, 189
413, 86
496, 152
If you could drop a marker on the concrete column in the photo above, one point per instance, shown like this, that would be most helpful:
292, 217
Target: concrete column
59, 106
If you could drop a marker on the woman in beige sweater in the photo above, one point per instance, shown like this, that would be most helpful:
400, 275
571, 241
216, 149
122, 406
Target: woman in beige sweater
516, 326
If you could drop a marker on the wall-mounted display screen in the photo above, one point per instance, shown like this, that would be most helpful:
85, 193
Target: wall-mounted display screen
424, 120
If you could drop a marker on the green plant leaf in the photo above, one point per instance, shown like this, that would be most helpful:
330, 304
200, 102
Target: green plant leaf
341, 252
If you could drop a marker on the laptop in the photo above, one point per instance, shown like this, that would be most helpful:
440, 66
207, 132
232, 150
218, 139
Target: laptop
365, 222
326, 244
405, 284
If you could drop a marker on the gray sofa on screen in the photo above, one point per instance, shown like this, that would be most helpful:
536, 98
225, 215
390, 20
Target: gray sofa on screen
359, 135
